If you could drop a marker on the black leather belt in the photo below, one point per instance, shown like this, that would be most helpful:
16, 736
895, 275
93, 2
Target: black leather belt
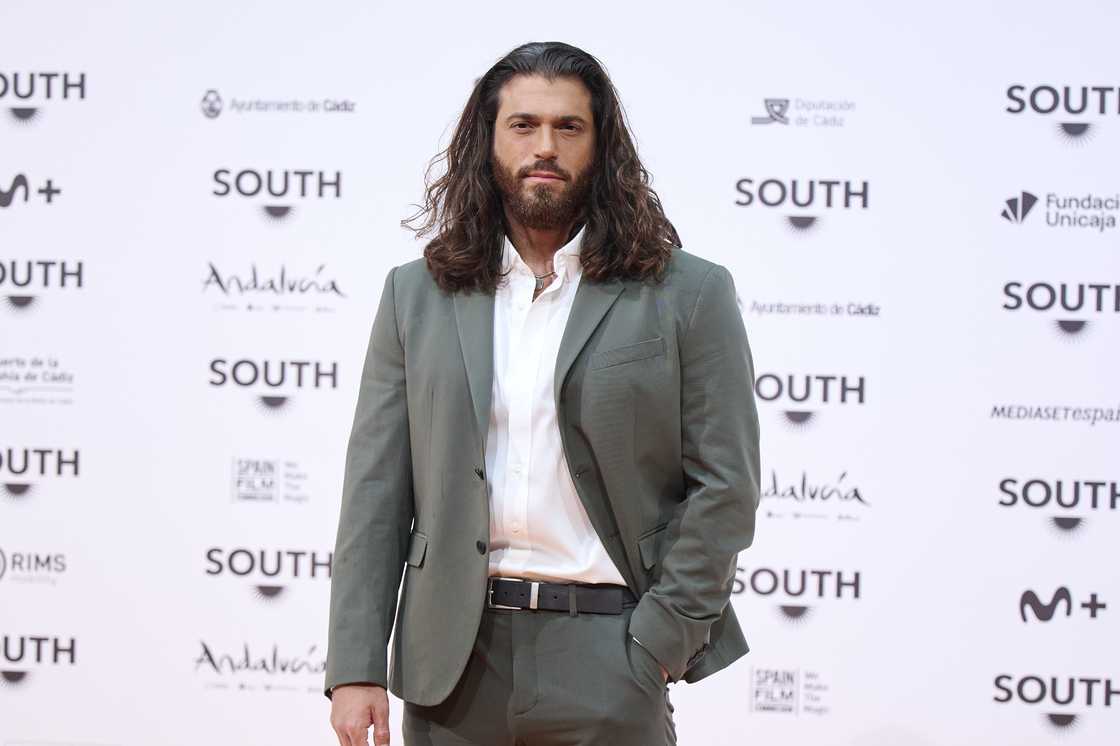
510, 593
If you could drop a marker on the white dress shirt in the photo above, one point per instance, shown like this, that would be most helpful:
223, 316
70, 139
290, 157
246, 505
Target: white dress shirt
538, 527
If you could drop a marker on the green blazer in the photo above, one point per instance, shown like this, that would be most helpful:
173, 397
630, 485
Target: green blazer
657, 418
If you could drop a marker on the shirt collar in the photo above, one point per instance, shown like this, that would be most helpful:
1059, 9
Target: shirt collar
512, 260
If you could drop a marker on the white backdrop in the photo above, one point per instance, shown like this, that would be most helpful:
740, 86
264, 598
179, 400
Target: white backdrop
165, 531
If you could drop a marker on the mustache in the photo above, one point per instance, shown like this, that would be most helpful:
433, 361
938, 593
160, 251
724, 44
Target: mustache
544, 167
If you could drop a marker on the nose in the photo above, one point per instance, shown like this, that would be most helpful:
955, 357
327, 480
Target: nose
546, 143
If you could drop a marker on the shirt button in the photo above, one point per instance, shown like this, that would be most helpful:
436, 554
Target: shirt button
481, 546
517, 468
516, 526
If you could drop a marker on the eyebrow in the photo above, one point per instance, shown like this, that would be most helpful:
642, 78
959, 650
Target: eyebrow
535, 118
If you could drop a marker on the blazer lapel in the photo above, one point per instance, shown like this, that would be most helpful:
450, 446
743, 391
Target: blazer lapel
591, 303
474, 315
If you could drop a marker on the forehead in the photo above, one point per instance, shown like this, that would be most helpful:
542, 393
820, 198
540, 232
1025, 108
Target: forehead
536, 95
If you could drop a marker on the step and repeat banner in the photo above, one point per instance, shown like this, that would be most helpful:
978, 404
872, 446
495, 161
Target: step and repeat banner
198, 208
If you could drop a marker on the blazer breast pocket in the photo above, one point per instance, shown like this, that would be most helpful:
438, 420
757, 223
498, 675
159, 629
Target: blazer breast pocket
646, 348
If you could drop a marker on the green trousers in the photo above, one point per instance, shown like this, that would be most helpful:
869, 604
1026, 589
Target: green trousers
546, 678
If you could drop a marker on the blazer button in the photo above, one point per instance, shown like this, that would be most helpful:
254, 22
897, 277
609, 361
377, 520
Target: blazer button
481, 546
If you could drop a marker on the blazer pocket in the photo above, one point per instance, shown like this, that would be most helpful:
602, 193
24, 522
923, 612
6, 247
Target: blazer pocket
417, 548
627, 353
649, 546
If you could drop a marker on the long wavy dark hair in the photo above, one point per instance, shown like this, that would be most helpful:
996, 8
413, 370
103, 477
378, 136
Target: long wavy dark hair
626, 233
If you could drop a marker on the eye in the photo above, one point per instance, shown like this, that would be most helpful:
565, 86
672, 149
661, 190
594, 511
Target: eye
520, 125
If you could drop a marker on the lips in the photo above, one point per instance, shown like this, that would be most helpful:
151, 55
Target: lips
544, 175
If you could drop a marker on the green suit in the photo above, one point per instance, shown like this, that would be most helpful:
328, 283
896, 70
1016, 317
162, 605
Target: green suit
657, 417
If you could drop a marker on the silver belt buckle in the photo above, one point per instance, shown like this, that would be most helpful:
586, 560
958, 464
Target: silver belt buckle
534, 594
490, 596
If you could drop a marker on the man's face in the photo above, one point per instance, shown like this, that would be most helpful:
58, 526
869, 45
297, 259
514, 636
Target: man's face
544, 149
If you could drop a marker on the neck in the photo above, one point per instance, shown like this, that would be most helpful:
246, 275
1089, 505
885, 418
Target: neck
536, 246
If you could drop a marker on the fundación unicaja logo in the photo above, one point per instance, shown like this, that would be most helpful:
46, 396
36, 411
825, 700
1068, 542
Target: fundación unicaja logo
211, 104
1016, 209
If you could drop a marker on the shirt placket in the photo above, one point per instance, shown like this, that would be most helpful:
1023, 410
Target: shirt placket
524, 359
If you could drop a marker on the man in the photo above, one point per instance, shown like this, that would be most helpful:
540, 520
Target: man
555, 435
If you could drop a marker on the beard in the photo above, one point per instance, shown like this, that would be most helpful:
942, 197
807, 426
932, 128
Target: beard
542, 206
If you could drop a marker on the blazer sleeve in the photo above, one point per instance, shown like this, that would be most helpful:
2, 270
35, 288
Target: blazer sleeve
720, 460
376, 514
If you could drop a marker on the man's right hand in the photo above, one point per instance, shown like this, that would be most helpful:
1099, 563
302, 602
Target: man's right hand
354, 708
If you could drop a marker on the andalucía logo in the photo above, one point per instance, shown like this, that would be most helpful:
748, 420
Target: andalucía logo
1066, 503
802, 200
280, 290
27, 93
1070, 104
250, 669
21, 468
1054, 694
794, 589
803, 498
804, 395
276, 191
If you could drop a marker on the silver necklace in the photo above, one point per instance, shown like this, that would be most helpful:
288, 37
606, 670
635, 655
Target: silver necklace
540, 278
